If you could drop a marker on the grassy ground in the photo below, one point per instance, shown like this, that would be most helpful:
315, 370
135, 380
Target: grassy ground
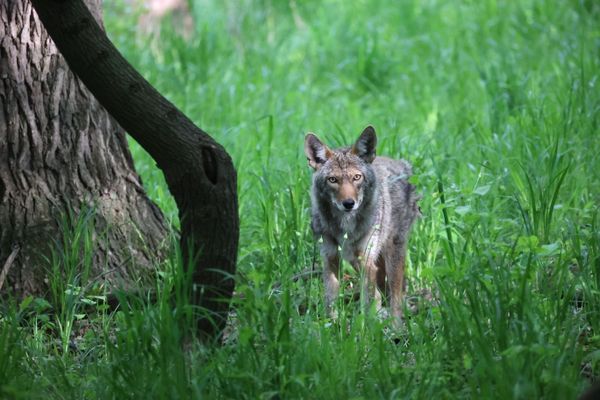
496, 104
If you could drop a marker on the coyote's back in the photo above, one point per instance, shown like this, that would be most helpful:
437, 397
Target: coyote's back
363, 205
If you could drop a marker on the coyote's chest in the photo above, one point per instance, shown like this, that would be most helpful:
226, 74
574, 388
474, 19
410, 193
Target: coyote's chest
348, 225
362, 239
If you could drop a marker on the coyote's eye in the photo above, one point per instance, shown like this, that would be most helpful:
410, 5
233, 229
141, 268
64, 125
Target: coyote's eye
357, 177
332, 179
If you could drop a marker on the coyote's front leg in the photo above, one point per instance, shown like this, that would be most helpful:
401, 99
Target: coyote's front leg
369, 291
331, 270
394, 266
367, 269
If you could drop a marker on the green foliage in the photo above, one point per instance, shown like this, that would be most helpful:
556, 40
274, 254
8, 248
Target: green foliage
494, 103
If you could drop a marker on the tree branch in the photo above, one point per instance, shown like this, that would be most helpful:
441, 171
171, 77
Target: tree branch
198, 170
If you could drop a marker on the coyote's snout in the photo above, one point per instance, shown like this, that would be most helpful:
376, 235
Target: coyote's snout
363, 205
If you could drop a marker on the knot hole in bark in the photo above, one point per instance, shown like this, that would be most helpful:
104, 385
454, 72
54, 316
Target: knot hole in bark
209, 164
77, 26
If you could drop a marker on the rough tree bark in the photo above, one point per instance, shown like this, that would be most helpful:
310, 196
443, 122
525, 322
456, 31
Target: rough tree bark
60, 149
199, 172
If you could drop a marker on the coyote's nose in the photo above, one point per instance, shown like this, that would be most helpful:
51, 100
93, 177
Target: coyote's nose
348, 204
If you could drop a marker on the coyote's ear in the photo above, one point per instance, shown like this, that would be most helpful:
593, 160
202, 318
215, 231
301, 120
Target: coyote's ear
365, 145
316, 152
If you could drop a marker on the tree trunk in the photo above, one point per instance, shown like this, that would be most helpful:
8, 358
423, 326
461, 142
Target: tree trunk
60, 150
198, 170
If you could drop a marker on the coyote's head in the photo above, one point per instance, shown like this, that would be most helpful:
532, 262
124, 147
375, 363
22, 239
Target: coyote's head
343, 177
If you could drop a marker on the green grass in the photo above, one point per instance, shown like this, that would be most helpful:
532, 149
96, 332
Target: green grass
497, 106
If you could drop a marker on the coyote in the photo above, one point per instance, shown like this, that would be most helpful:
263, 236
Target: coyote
364, 206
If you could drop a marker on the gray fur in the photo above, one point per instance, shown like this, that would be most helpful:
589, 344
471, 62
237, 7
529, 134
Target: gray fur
373, 236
